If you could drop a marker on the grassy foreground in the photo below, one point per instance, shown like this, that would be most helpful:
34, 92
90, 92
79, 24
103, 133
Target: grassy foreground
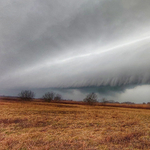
54, 126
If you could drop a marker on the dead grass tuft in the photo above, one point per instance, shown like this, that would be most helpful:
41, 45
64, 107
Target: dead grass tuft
12, 121
120, 138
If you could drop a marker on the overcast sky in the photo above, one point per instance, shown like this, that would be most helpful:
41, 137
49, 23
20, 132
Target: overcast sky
75, 44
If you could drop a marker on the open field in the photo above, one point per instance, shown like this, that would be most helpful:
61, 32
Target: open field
44, 126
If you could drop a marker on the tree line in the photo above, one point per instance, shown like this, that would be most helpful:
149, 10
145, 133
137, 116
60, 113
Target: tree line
29, 95
51, 96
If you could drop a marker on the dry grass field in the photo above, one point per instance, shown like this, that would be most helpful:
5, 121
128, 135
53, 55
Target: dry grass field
54, 126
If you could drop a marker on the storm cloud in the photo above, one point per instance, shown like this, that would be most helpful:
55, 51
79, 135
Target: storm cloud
76, 44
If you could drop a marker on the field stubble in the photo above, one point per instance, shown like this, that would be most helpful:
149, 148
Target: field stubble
43, 126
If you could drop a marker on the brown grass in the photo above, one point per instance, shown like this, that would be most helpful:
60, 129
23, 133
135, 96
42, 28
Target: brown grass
53, 126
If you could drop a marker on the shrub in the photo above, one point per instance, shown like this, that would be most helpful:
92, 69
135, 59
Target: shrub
103, 101
91, 99
49, 96
26, 95
58, 97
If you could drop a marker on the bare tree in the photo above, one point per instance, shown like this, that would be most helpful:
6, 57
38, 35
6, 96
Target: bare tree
26, 95
49, 96
91, 99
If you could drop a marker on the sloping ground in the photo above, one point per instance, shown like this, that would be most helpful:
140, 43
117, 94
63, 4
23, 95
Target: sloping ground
43, 126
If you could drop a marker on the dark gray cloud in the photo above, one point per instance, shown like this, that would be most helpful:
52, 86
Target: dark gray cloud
72, 43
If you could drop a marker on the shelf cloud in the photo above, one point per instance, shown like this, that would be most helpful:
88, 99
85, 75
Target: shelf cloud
75, 46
